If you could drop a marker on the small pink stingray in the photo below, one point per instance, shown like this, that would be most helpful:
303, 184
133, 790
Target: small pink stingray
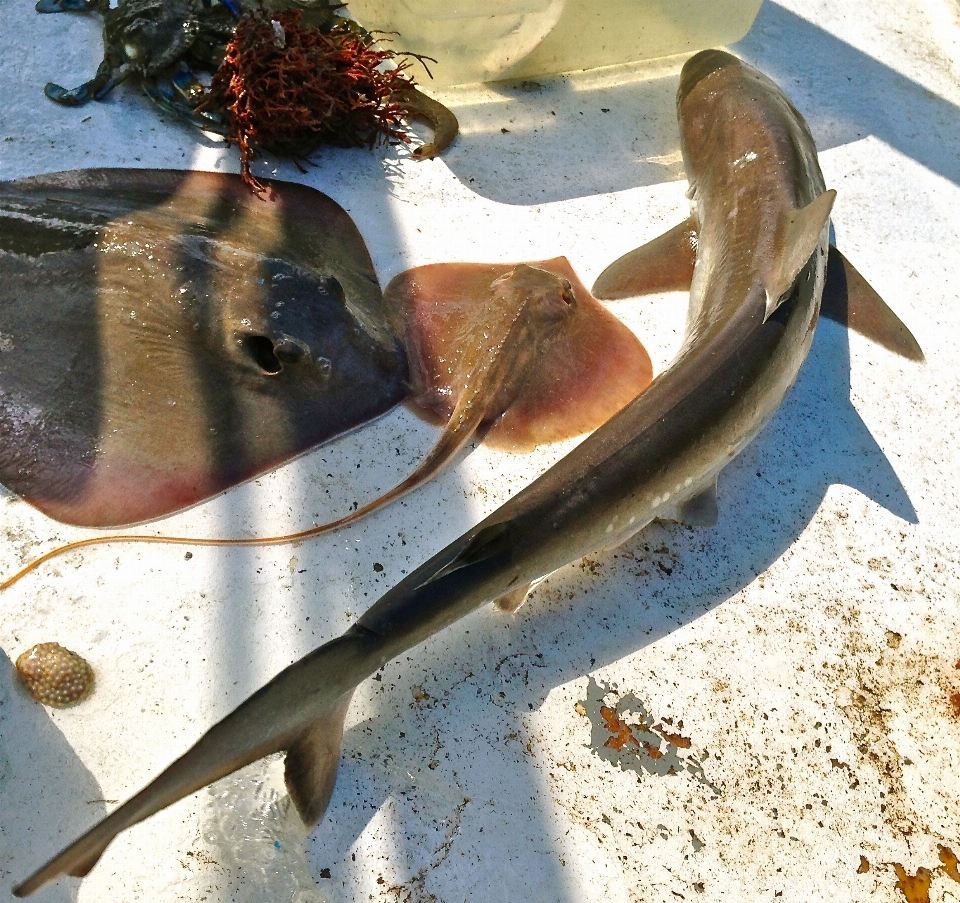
527, 345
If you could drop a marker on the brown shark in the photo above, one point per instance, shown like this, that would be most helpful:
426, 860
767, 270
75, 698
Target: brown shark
761, 219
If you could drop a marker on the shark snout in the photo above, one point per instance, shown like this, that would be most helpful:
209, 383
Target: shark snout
701, 66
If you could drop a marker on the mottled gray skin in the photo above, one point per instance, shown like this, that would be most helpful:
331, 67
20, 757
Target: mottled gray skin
733, 371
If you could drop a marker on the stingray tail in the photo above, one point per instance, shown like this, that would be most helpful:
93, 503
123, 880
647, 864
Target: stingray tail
461, 428
301, 710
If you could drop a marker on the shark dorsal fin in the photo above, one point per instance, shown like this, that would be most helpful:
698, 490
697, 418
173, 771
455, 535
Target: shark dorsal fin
800, 237
310, 770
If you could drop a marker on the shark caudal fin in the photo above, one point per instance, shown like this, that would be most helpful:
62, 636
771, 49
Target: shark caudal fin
76, 865
800, 236
301, 710
848, 299
662, 265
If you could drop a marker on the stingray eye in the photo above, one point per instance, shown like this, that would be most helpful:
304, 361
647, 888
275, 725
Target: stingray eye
324, 367
288, 351
261, 349
558, 301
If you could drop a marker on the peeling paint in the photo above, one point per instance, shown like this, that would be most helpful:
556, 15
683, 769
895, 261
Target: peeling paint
642, 745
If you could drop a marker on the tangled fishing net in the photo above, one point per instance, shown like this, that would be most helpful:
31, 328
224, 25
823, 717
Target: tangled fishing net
287, 88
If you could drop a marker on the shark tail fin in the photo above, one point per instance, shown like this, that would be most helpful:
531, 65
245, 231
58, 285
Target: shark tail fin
77, 866
662, 265
800, 237
310, 770
79, 858
301, 710
848, 299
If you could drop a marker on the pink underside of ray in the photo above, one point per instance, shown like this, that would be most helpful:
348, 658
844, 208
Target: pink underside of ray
125, 493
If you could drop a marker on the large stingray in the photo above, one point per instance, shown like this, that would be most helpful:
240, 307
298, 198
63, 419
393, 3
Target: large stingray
521, 354
167, 335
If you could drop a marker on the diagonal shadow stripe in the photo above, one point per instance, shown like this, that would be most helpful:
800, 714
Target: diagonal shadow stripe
846, 94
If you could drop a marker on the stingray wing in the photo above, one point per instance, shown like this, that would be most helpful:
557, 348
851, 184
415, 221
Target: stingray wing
167, 335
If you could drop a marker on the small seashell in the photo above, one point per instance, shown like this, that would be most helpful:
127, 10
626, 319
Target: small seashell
55, 676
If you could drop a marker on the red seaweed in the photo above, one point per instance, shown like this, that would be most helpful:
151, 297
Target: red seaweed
287, 88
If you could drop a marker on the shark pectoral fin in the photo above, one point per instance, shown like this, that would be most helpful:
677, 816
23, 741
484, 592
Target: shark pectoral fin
701, 510
310, 770
848, 299
510, 602
662, 265
800, 238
